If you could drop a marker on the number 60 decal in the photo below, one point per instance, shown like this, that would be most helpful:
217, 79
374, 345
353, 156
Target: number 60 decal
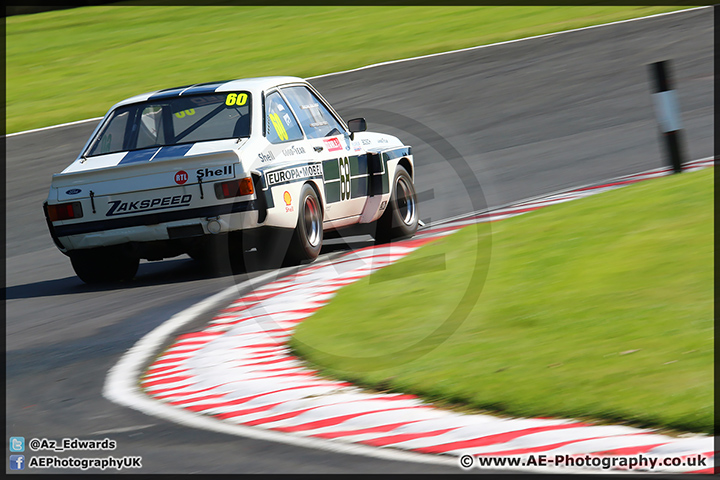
238, 99
344, 165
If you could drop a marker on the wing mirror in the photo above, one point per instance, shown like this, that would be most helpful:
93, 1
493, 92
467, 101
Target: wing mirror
356, 125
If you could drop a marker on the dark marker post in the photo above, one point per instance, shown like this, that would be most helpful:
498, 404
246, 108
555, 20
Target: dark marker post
667, 112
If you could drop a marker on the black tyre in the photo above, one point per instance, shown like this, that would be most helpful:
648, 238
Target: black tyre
236, 252
400, 219
307, 237
221, 254
104, 265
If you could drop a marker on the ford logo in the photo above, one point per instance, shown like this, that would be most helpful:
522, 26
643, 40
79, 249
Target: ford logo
73, 191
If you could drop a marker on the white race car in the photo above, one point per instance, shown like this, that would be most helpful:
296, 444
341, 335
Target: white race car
262, 163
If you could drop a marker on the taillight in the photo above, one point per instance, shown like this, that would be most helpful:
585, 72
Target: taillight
64, 211
234, 188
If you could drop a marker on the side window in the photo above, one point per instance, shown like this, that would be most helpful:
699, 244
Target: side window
281, 125
316, 120
113, 135
151, 127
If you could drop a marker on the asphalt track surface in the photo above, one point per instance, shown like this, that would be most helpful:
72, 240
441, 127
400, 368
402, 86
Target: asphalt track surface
528, 118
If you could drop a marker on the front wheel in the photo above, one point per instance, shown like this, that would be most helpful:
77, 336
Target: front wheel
400, 219
104, 265
307, 237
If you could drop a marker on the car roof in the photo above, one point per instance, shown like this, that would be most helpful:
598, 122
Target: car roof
253, 85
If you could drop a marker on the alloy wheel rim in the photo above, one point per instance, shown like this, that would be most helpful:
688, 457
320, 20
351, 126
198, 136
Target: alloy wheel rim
313, 227
405, 202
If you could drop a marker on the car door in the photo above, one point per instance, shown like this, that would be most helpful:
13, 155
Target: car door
344, 174
288, 151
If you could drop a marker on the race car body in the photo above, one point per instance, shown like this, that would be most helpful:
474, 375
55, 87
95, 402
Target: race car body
262, 162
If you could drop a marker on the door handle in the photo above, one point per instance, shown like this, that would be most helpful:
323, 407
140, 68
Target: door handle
318, 149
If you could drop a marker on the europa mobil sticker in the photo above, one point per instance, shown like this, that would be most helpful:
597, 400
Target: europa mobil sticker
332, 144
181, 177
295, 173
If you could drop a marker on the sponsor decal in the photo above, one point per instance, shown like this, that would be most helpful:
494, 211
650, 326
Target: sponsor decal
365, 141
289, 152
226, 171
382, 140
269, 157
288, 201
119, 207
332, 144
296, 173
356, 146
73, 191
181, 177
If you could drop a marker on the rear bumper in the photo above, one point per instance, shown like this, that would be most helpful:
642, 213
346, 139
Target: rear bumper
170, 228
154, 219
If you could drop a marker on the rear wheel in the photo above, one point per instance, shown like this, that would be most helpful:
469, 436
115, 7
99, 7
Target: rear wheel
221, 254
104, 265
307, 237
400, 219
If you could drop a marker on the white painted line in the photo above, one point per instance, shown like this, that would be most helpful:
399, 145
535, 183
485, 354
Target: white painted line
97, 119
123, 429
691, 165
507, 42
121, 387
450, 52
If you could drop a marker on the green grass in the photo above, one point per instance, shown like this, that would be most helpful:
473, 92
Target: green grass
70, 65
600, 308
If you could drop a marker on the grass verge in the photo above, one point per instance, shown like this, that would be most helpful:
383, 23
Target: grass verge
600, 308
70, 65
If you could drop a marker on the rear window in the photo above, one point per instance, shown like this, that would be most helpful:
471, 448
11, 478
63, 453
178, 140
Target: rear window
174, 121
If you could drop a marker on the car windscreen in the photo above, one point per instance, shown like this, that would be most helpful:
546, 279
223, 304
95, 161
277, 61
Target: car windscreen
174, 121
